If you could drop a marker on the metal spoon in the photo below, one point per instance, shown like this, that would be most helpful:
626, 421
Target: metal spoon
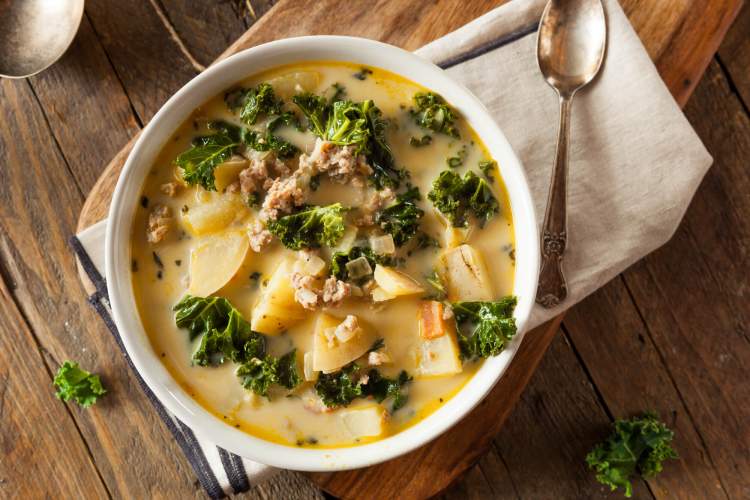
570, 49
35, 33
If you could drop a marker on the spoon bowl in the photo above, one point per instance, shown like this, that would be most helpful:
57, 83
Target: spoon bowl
35, 33
571, 42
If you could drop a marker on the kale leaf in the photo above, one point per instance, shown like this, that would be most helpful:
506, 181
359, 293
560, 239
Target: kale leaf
492, 326
431, 112
381, 388
225, 333
259, 373
75, 383
488, 167
639, 445
340, 259
205, 154
457, 197
269, 141
339, 388
310, 227
342, 387
357, 124
401, 219
259, 101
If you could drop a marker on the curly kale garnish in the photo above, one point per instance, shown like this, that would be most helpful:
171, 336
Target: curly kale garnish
254, 103
431, 112
73, 382
484, 327
340, 259
311, 227
269, 141
401, 219
225, 333
205, 154
356, 124
457, 197
344, 386
639, 445
258, 374
488, 167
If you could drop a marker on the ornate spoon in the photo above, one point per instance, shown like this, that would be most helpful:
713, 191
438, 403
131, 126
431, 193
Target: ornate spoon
570, 49
35, 33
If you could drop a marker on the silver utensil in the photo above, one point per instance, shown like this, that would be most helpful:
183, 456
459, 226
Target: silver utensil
570, 50
35, 33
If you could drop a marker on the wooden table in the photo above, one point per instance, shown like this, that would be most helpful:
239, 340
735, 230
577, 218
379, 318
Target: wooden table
669, 334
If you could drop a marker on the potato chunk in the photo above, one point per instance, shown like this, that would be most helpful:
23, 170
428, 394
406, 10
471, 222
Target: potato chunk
276, 309
329, 352
395, 283
462, 270
289, 84
214, 214
363, 421
228, 172
439, 356
215, 260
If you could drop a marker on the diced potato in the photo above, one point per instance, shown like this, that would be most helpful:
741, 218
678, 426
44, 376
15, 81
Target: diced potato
310, 374
431, 322
290, 84
347, 240
453, 236
395, 282
329, 354
380, 295
462, 270
364, 421
228, 172
439, 356
214, 214
276, 309
215, 260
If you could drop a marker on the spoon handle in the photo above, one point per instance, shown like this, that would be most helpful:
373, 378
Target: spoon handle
552, 286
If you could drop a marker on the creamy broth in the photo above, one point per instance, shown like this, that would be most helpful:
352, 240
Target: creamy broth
161, 270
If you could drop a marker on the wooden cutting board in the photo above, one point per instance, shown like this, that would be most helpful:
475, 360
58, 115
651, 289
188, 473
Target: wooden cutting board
680, 36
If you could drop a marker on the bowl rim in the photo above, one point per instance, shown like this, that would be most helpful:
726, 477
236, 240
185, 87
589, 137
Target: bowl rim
125, 200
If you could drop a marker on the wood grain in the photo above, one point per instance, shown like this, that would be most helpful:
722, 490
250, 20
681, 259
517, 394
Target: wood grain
409, 26
734, 54
38, 438
693, 292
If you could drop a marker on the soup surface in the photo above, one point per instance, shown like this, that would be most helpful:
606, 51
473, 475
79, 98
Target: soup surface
323, 255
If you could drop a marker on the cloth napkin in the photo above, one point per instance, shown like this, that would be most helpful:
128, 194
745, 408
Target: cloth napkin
635, 163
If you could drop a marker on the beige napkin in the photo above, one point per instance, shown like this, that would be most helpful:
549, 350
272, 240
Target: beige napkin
635, 163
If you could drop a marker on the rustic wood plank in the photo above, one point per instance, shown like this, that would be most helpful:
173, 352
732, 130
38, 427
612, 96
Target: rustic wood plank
734, 54
147, 58
428, 470
626, 368
38, 437
39, 204
691, 47
208, 28
86, 106
692, 292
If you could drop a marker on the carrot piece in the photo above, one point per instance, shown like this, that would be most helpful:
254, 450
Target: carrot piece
431, 322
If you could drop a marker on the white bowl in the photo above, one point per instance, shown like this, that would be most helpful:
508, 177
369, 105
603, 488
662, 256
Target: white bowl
217, 79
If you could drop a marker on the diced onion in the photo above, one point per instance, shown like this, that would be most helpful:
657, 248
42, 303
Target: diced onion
310, 264
383, 245
358, 268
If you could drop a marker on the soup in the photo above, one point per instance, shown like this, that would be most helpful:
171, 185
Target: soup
323, 255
